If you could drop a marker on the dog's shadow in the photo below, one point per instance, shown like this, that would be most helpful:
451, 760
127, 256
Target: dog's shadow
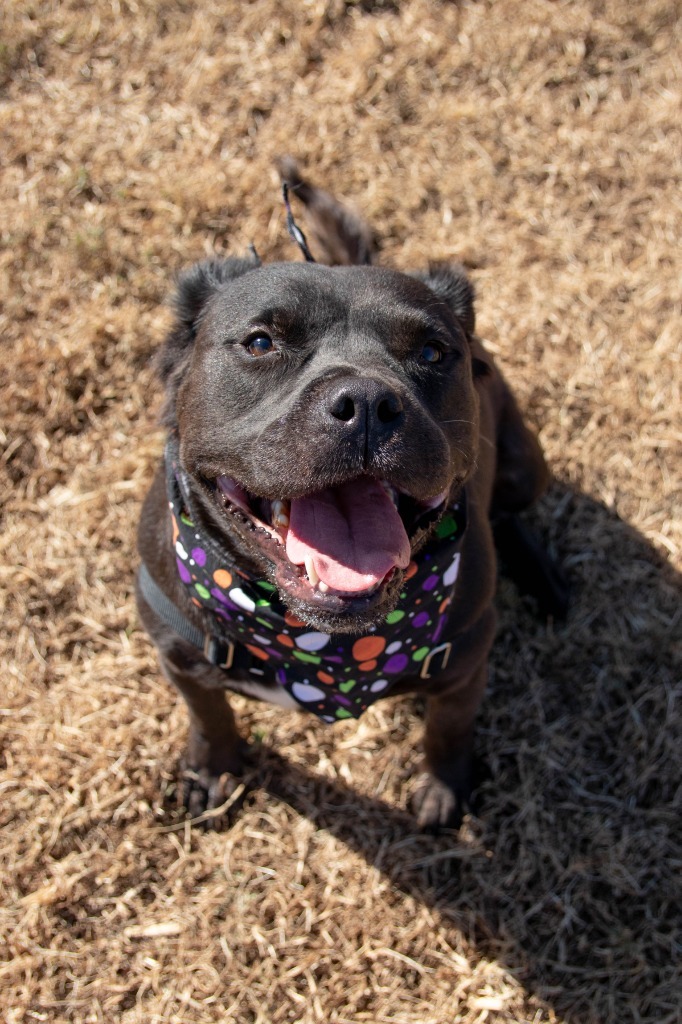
569, 880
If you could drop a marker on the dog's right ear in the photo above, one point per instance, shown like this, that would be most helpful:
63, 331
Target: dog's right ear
194, 289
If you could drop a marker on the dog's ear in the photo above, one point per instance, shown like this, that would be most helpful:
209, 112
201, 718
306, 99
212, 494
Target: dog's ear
453, 287
194, 289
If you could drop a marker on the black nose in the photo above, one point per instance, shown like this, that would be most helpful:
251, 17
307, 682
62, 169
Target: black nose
364, 406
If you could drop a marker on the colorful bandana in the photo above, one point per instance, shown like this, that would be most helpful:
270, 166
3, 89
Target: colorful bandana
334, 676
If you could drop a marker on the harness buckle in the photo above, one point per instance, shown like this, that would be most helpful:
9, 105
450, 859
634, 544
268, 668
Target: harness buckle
219, 652
445, 650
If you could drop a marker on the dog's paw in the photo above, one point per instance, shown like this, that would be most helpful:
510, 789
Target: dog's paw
210, 800
437, 805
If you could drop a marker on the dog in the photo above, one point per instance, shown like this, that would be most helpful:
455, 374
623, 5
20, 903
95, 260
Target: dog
319, 533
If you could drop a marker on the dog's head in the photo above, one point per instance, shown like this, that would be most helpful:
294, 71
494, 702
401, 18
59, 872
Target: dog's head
325, 417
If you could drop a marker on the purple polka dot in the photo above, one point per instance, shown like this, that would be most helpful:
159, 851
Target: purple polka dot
342, 700
185, 574
420, 620
280, 676
439, 629
430, 583
220, 596
396, 664
199, 556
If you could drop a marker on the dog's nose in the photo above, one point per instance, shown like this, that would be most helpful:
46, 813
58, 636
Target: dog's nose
364, 405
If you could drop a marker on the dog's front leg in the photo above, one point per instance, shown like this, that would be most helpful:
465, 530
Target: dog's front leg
443, 790
215, 753
444, 786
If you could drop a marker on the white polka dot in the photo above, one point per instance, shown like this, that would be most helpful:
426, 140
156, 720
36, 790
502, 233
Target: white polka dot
181, 551
450, 574
305, 692
242, 599
395, 646
380, 685
261, 639
312, 641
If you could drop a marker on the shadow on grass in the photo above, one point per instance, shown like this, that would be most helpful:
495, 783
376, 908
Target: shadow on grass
570, 877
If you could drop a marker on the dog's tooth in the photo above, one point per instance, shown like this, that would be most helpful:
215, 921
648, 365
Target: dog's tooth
322, 587
310, 569
390, 491
280, 513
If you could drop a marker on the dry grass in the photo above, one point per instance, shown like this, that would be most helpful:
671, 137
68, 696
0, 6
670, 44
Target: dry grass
540, 143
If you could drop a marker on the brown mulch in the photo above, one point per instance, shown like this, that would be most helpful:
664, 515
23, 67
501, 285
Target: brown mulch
539, 143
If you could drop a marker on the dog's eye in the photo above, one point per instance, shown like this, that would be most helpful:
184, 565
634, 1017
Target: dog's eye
431, 353
260, 345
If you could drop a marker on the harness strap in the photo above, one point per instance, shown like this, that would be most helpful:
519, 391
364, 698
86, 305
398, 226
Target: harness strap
221, 653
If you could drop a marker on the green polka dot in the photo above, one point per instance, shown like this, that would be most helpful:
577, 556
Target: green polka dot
403, 596
262, 603
342, 713
420, 654
311, 659
186, 520
395, 616
202, 591
347, 685
264, 622
264, 585
447, 527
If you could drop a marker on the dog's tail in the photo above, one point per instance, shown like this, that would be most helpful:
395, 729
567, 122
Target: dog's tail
338, 236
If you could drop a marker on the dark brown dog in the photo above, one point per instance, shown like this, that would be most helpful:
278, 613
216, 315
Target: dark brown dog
339, 444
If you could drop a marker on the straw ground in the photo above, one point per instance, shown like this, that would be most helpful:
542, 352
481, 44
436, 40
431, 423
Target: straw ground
539, 143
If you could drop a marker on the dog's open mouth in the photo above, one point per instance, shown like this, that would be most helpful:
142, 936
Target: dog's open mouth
336, 547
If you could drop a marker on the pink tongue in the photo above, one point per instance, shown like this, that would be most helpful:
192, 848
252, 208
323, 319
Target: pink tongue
353, 534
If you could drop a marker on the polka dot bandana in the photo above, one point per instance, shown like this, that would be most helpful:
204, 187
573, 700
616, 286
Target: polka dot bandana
334, 676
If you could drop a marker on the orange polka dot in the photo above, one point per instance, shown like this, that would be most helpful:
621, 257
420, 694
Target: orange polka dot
325, 678
444, 605
285, 640
222, 577
368, 647
257, 652
196, 601
367, 666
410, 571
176, 532
291, 620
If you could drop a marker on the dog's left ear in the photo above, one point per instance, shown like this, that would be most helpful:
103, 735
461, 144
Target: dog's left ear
452, 286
